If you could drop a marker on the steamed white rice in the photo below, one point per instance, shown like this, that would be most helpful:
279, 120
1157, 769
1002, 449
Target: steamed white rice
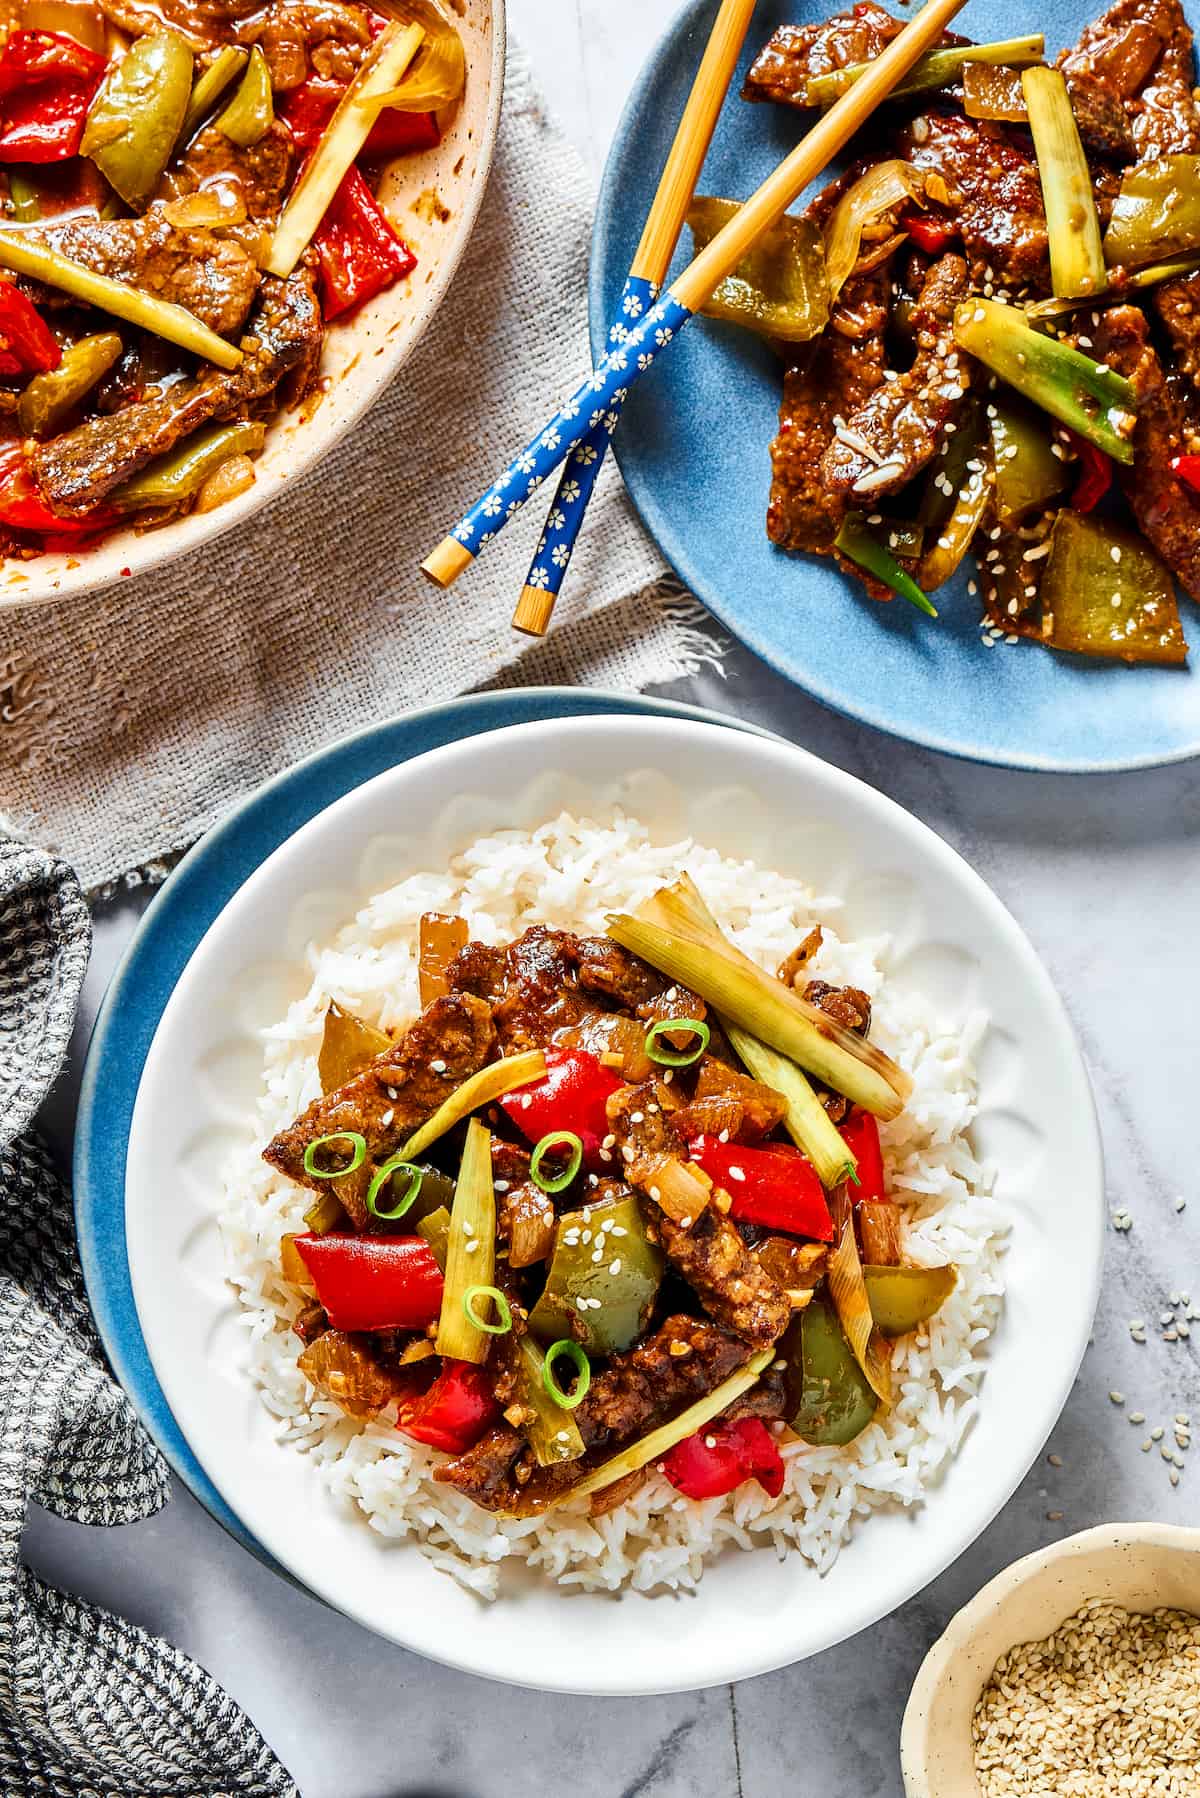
570, 873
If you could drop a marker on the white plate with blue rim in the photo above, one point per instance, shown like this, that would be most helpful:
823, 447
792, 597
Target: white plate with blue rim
747, 796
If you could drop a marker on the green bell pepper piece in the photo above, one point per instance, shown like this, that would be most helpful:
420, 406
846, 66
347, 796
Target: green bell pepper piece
348, 1045
780, 288
856, 541
251, 112
50, 398
1083, 394
948, 521
435, 1228
1028, 473
178, 477
1156, 214
23, 202
1096, 604
134, 121
902, 1298
626, 1296
225, 67
830, 1399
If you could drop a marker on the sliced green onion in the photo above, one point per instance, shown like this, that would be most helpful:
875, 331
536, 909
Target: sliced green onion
676, 1058
503, 1309
555, 1140
397, 1165
358, 1154
564, 1347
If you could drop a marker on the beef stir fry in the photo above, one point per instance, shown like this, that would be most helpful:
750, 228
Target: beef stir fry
188, 200
989, 326
608, 1204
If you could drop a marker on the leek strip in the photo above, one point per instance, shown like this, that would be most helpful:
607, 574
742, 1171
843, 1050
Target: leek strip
1137, 278
937, 68
161, 317
848, 1290
1077, 266
739, 989
807, 1122
654, 1446
324, 1214
225, 68
480, 1089
343, 138
470, 1249
435, 1229
1091, 399
551, 1431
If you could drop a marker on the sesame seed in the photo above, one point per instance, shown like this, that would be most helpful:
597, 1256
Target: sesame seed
392, 1093
1118, 1398
615, 1266
386, 1119
438, 1066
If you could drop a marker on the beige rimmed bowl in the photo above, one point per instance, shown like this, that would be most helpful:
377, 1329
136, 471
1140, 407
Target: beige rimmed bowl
433, 199
1139, 1565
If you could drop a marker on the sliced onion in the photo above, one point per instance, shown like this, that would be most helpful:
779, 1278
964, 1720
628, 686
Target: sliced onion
438, 72
848, 1290
886, 185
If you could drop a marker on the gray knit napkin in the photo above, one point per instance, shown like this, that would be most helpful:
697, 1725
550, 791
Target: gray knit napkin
88, 1704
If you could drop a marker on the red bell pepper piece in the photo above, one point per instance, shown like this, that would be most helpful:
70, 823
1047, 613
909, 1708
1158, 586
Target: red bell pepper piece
47, 82
860, 1133
27, 344
456, 1410
374, 1282
722, 1455
775, 1186
22, 507
1095, 474
573, 1095
359, 252
310, 107
1187, 470
929, 232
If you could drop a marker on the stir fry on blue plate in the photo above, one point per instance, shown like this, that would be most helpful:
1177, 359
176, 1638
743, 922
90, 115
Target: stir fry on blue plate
990, 327
608, 1204
188, 198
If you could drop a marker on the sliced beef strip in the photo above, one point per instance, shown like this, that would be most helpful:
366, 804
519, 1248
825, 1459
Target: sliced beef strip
525, 1215
77, 471
451, 1039
259, 172
725, 1099
796, 53
346, 1368
297, 37
848, 1006
835, 376
213, 278
626, 980
203, 23
1104, 125
532, 985
901, 423
733, 1288
1168, 424
1178, 305
637, 1391
1141, 51
998, 193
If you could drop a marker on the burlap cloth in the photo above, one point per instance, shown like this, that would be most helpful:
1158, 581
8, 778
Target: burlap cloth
131, 720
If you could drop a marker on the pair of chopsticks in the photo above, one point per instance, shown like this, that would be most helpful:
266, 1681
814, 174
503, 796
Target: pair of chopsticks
596, 406
647, 272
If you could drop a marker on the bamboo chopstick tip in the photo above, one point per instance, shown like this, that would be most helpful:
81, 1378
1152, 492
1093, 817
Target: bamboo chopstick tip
444, 564
533, 610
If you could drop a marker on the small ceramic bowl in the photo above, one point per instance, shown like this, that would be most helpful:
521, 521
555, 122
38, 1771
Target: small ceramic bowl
433, 199
1138, 1565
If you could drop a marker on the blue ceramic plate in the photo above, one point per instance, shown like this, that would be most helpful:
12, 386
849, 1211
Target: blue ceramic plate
694, 453
197, 891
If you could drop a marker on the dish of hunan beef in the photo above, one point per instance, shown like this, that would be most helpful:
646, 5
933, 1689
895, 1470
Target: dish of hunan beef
189, 200
607, 1228
989, 327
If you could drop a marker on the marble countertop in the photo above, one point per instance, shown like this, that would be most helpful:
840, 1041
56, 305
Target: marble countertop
1101, 872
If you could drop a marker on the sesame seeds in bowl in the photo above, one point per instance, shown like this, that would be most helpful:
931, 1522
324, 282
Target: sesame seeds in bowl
1076, 1670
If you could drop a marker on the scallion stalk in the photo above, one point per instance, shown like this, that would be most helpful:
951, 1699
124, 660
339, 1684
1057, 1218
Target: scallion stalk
1077, 266
470, 1250
654, 1446
551, 1432
937, 68
343, 138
